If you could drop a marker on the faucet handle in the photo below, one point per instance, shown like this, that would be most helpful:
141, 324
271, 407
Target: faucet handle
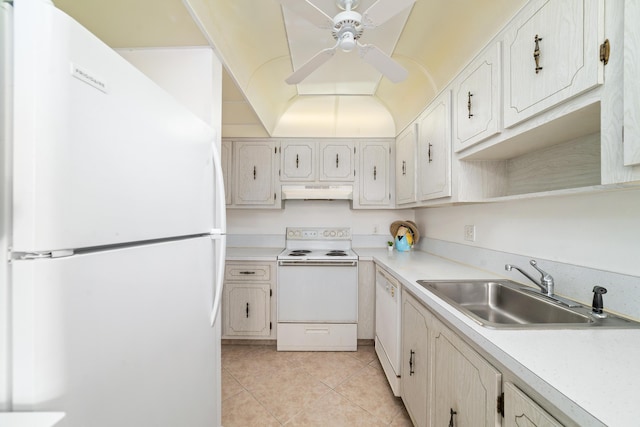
546, 277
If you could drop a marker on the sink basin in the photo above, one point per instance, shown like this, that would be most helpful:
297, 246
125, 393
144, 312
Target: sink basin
507, 304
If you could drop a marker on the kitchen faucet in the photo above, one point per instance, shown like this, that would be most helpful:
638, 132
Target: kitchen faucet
546, 281
546, 284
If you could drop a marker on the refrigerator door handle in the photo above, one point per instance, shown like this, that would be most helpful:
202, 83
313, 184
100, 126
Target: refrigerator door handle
220, 221
220, 245
218, 233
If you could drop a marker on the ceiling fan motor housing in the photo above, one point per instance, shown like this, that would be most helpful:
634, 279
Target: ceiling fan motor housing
347, 28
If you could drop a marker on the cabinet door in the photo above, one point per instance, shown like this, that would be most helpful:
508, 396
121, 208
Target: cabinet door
374, 174
336, 161
631, 83
405, 166
465, 386
298, 161
254, 180
565, 35
226, 158
434, 150
414, 378
247, 309
521, 411
477, 97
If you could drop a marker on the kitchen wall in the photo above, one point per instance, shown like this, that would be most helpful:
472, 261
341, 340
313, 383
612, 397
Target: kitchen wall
371, 227
582, 240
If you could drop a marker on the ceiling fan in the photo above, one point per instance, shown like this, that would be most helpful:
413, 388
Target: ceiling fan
346, 28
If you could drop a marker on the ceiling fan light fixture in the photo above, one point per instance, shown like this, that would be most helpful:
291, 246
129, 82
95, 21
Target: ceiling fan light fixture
347, 42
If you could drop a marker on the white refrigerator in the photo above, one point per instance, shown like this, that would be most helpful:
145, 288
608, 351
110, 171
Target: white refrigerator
112, 235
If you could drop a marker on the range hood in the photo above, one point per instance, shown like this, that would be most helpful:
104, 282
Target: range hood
317, 192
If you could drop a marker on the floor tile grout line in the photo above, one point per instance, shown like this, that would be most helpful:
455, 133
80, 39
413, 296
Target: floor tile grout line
258, 400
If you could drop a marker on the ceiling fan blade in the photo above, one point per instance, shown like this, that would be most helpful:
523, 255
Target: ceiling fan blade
311, 65
309, 12
387, 66
383, 10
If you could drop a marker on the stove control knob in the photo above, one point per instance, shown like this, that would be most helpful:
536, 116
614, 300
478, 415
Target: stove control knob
333, 233
326, 233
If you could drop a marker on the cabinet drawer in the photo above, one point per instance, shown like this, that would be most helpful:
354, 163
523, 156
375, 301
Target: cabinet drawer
247, 272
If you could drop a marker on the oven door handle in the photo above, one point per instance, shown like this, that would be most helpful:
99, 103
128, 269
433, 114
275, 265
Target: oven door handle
300, 263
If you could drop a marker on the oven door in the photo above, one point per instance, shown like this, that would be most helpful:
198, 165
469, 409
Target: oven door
317, 291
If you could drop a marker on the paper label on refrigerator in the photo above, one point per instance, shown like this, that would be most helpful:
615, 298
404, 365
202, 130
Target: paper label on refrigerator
88, 77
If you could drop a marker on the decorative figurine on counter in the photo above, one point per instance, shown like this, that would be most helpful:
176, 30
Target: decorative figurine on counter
405, 234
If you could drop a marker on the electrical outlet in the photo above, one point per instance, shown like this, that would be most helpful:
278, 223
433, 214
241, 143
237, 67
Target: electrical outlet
470, 233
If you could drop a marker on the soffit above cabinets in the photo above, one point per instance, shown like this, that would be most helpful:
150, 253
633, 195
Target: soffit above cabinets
260, 45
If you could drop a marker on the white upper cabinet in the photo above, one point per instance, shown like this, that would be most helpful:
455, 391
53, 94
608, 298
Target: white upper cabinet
551, 54
336, 161
434, 149
298, 161
254, 165
406, 166
631, 83
374, 174
477, 98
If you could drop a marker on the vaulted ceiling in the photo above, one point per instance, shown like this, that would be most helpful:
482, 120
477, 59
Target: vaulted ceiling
261, 43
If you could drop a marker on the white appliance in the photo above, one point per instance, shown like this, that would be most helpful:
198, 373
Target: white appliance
115, 234
317, 291
388, 322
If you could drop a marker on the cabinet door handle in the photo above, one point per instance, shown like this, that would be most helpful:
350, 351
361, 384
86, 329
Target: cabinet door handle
254, 173
411, 355
247, 272
429, 153
536, 53
404, 167
375, 172
337, 160
297, 161
452, 412
247, 310
469, 95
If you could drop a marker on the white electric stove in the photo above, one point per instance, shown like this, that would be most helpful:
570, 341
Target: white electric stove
317, 291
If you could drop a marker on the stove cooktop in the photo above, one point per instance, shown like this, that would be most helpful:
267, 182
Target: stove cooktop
318, 243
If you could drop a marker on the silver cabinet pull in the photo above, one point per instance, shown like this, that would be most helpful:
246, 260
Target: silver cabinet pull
297, 161
337, 160
429, 153
254, 173
469, 95
375, 172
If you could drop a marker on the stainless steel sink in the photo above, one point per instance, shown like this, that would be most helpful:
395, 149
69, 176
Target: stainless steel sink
507, 304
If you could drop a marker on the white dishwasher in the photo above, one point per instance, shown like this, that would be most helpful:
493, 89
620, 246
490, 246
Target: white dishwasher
388, 318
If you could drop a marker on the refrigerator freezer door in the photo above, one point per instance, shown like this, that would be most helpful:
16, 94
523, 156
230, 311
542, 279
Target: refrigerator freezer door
102, 154
119, 338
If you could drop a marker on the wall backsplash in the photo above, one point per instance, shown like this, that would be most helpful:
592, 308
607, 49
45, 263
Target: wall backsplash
581, 240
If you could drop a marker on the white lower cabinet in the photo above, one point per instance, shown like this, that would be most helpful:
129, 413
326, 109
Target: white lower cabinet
465, 386
445, 382
415, 371
522, 411
247, 301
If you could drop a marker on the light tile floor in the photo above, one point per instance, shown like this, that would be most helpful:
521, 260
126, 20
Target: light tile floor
264, 387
